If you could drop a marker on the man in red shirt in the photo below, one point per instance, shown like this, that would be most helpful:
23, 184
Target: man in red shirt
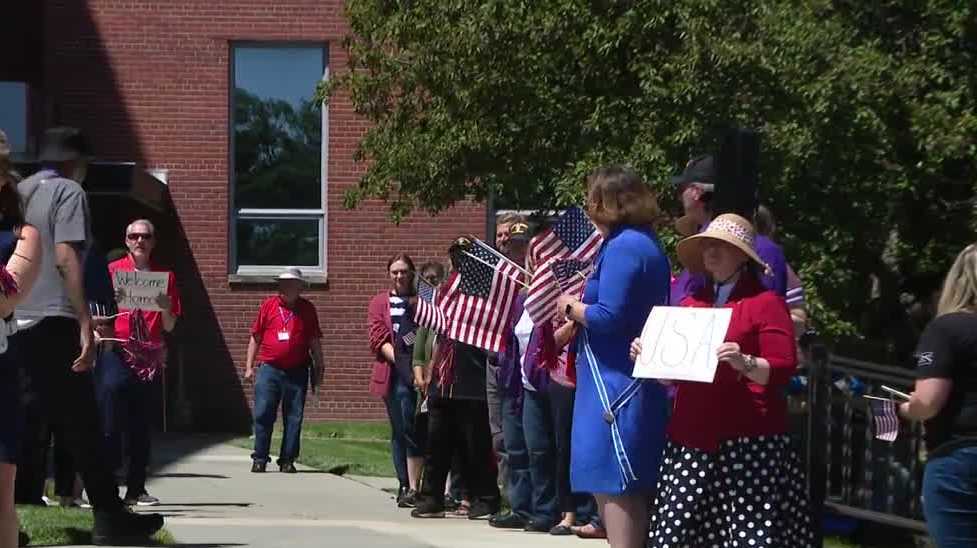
135, 394
284, 335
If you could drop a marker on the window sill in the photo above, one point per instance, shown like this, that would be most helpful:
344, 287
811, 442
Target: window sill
315, 280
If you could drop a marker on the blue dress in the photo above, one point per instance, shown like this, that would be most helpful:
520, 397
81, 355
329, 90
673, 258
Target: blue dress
619, 423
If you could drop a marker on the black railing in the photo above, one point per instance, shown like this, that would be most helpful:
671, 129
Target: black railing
849, 471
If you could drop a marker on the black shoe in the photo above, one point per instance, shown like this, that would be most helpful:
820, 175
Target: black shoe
450, 504
408, 499
145, 499
426, 508
23, 539
507, 521
287, 468
534, 526
560, 530
482, 510
123, 528
258, 467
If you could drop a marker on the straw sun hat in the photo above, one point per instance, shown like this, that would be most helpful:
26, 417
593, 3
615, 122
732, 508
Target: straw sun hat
729, 228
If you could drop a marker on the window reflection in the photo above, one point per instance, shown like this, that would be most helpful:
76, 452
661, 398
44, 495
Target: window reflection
264, 242
277, 129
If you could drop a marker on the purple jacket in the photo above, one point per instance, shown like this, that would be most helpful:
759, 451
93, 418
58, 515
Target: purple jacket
510, 370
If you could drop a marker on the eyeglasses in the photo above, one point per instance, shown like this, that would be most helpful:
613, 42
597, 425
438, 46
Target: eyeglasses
133, 236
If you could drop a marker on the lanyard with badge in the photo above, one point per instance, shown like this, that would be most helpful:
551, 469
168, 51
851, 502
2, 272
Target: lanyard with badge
283, 334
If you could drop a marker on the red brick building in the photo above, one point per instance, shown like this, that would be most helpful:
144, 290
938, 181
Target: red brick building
153, 84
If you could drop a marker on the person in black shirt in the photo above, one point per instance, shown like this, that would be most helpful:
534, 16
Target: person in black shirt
945, 397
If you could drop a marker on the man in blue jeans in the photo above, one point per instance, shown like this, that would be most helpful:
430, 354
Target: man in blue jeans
284, 335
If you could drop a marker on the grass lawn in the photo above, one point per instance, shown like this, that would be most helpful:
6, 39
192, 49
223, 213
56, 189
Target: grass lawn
363, 448
64, 526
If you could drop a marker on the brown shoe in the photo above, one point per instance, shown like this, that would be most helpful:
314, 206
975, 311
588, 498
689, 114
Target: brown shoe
589, 531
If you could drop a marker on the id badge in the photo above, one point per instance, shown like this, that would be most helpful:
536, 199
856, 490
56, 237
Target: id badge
283, 335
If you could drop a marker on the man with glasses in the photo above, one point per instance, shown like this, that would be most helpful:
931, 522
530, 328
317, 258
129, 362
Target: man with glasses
136, 392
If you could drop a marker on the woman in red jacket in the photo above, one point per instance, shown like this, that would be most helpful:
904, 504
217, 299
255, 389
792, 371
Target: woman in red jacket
392, 333
730, 477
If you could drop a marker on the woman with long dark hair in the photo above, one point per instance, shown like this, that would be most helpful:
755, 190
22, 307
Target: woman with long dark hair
392, 334
20, 250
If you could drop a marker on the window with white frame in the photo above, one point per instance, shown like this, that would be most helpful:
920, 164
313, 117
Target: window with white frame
278, 158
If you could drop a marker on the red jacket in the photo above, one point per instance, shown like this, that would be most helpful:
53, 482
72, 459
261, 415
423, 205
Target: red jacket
732, 406
380, 329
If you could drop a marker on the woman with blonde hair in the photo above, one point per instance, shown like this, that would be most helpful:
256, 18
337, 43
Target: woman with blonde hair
20, 250
618, 421
945, 398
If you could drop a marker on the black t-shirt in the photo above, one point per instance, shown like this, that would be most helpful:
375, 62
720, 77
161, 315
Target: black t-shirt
948, 350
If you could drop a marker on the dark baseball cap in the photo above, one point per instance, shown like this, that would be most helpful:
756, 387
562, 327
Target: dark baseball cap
63, 144
701, 169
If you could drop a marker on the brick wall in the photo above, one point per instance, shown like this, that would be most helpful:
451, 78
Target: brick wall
149, 81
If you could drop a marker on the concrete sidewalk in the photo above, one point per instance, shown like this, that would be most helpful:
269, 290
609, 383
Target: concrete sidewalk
211, 499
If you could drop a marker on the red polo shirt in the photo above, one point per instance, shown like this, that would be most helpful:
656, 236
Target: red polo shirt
154, 320
285, 335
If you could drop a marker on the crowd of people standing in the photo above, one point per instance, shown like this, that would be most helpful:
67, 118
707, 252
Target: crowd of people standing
72, 363
581, 447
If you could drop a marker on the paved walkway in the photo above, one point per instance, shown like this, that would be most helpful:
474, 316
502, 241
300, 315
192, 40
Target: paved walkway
211, 499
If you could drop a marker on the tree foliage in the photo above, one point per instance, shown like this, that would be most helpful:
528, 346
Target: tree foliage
866, 109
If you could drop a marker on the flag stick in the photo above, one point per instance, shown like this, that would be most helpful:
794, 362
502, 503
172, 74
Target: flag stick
493, 268
496, 252
876, 398
896, 392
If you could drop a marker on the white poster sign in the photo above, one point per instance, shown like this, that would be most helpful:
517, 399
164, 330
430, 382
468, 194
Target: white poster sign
679, 343
138, 290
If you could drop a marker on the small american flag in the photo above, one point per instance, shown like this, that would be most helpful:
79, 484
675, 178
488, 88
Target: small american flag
886, 419
474, 304
571, 275
428, 312
573, 237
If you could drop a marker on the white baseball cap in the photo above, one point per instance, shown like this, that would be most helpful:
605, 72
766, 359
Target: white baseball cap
291, 273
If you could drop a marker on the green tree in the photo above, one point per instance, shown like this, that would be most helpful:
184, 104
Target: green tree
866, 110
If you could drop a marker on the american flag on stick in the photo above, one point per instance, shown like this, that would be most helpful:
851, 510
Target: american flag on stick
573, 237
474, 304
571, 275
886, 419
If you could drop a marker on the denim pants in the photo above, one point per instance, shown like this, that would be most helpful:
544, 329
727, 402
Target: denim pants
519, 484
538, 428
401, 405
950, 498
272, 387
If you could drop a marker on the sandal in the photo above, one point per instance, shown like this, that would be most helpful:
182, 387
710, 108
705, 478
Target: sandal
464, 509
589, 531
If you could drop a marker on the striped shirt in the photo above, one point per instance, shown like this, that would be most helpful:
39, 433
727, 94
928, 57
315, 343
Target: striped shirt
398, 305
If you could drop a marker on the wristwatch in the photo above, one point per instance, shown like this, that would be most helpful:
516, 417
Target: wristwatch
750, 363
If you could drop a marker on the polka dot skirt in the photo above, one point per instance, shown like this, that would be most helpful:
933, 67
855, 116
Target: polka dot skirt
750, 493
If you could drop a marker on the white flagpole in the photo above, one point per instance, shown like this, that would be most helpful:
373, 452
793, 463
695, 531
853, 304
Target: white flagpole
493, 268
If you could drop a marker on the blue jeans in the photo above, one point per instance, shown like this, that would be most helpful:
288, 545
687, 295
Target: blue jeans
401, 407
539, 429
272, 387
950, 498
519, 488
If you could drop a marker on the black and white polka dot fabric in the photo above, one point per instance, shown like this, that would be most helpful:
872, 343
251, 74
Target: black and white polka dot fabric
750, 493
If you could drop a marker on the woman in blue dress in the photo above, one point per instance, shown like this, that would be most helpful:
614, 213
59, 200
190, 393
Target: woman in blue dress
20, 255
618, 422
